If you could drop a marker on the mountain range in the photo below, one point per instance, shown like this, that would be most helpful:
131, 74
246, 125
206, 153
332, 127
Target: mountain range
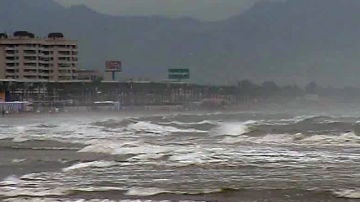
293, 41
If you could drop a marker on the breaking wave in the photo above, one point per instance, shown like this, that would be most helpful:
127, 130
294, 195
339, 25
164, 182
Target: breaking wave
136, 147
93, 164
139, 191
234, 128
298, 138
149, 127
350, 193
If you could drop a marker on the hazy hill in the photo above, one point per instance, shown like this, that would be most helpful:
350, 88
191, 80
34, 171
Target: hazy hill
296, 40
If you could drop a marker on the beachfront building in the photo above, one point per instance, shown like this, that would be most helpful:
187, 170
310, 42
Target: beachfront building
89, 75
25, 57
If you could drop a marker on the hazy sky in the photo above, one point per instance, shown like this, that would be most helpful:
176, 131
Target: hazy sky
202, 9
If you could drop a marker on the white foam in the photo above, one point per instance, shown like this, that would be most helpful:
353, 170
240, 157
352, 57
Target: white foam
36, 192
114, 148
148, 127
98, 189
190, 158
234, 128
299, 138
20, 138
343, 139
147, 157
352, 194
190, 123
139, 191
93, 164
10, 180
18, 160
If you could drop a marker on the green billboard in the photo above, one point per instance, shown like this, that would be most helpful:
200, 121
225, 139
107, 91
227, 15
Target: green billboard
179, 74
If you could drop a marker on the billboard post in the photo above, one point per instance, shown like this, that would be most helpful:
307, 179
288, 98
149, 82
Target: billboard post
113, 67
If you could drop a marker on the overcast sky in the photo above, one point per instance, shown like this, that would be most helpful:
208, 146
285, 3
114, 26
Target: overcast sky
202, 9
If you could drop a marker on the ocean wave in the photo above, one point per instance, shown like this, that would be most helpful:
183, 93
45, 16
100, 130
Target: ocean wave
10, 180
20, 138
190, 158
203, 122
93, 164
140, 191
18, 160
97, 189
136, 147
349, 193
234, 128
42, 199
114, 123
269, 138
345, 138
34, 192
149, 127
298, 138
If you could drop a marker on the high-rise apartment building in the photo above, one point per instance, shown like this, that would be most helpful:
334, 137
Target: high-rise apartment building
25, 57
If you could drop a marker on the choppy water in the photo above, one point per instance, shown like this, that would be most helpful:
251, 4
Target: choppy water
184, 154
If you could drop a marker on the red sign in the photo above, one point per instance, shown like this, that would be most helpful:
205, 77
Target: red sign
113, 66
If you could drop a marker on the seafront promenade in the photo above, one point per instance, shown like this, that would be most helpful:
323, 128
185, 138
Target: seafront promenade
43, 96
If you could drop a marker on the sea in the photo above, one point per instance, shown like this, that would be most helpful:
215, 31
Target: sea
180, 156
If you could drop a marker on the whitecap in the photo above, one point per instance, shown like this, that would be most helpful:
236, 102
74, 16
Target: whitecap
20, 138
18, 160
143, 126
93, 164
343, 139
352, 194
234, 128
10, 180
190, 123
147, 157
99, 148
196, 157
114, 148
33, 192
139, 191
98, 189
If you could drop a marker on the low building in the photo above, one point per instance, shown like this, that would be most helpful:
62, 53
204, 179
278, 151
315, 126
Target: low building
24, 57
89, 75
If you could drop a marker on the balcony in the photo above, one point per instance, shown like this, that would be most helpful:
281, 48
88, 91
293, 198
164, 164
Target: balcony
30, 53
10, 48
43, 74
30, 66
30, 70
64, 52
64, 59
10, 73
43, 68
10, 53
31, 74
30, 77
28, 48
45, 62
64, 65
11, 58
30, 59
10, 77
12, 67
62, 49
